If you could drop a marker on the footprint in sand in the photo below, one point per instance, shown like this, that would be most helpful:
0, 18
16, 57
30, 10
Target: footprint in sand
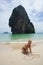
31, 56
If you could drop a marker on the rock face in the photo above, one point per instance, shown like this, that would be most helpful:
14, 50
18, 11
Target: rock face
20, 22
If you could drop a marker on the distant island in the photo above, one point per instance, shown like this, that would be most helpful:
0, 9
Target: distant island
6, 32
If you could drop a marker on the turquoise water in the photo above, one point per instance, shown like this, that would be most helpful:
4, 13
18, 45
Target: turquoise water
20, 37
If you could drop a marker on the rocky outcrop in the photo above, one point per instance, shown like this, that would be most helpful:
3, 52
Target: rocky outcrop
20, 22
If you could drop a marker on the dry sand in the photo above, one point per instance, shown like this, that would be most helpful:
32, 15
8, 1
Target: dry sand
11, 54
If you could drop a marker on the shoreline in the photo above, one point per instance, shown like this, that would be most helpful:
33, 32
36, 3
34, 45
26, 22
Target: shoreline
21, 41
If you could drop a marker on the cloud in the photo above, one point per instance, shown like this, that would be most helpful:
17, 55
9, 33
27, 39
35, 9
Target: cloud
4, 14
38, 5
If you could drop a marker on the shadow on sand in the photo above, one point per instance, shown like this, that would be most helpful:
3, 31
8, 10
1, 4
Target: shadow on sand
30, 56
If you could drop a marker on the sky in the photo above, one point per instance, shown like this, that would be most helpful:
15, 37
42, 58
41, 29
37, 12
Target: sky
34, 9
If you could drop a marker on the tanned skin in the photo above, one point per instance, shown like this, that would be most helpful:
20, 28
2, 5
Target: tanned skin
26, 46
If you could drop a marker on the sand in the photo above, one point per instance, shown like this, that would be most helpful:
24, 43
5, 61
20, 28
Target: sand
11, 54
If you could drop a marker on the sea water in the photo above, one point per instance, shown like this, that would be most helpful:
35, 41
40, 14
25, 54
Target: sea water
20, 37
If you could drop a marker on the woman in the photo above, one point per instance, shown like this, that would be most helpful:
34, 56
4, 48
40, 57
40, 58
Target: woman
26, 46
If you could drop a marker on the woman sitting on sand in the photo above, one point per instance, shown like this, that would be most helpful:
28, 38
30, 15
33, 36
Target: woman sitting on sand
26, 46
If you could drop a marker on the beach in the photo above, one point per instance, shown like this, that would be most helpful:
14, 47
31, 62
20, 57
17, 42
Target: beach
11, 54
